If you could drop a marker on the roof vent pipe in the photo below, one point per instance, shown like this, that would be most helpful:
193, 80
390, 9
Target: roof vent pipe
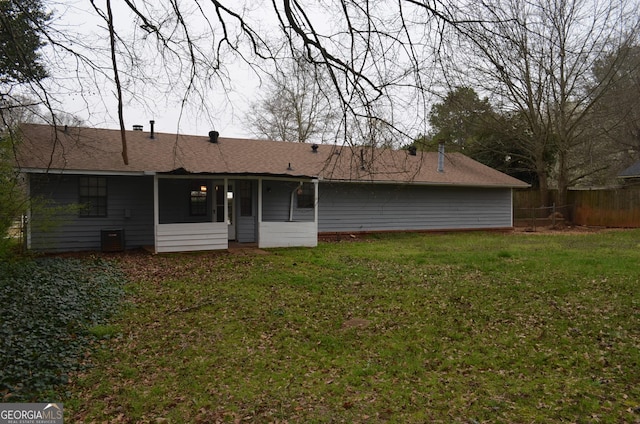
413, 150
314, 148
213, 136
441, 157
152, 123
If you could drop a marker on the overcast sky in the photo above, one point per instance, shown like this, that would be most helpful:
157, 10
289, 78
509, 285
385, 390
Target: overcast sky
96, 104
154, 84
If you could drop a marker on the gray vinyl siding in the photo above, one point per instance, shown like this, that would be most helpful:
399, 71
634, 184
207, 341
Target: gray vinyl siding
276, 202
367, 207
246, 225
129, 207
246, 229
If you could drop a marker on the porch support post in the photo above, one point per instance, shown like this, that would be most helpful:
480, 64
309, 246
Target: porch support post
226, 201
315, 201
156, 212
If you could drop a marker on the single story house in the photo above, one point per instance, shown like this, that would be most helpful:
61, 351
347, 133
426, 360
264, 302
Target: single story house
185, 192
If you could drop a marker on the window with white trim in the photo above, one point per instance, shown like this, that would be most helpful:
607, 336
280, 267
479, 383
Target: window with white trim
93, 196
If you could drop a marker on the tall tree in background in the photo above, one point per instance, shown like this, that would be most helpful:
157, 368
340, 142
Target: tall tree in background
469, 124
20, 42
536, 58
460, 119
295, 106
21, 63
616, 118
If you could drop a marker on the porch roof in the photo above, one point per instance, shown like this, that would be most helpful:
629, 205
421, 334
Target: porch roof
79, 149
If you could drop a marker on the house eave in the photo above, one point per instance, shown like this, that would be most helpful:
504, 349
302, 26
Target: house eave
262, 175
236, 175
429, 183
83, 172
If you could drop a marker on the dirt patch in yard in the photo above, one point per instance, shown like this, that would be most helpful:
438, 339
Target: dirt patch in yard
355, 323
541, 229
563, 229
247, 251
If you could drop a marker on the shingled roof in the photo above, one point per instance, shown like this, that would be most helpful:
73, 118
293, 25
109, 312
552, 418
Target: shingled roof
78, 150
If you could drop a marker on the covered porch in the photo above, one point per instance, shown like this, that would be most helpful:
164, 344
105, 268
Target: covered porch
206, 212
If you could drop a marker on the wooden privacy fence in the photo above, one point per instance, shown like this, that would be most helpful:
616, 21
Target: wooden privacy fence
614, 207
542, 216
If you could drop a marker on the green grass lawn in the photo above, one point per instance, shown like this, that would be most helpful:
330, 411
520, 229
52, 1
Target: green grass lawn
463, 328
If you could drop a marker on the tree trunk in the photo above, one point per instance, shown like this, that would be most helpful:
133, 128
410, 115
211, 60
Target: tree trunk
544, 188
561, 199
543, 182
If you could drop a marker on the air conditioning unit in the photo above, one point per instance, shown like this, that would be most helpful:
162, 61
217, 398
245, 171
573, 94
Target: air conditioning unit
112, 240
